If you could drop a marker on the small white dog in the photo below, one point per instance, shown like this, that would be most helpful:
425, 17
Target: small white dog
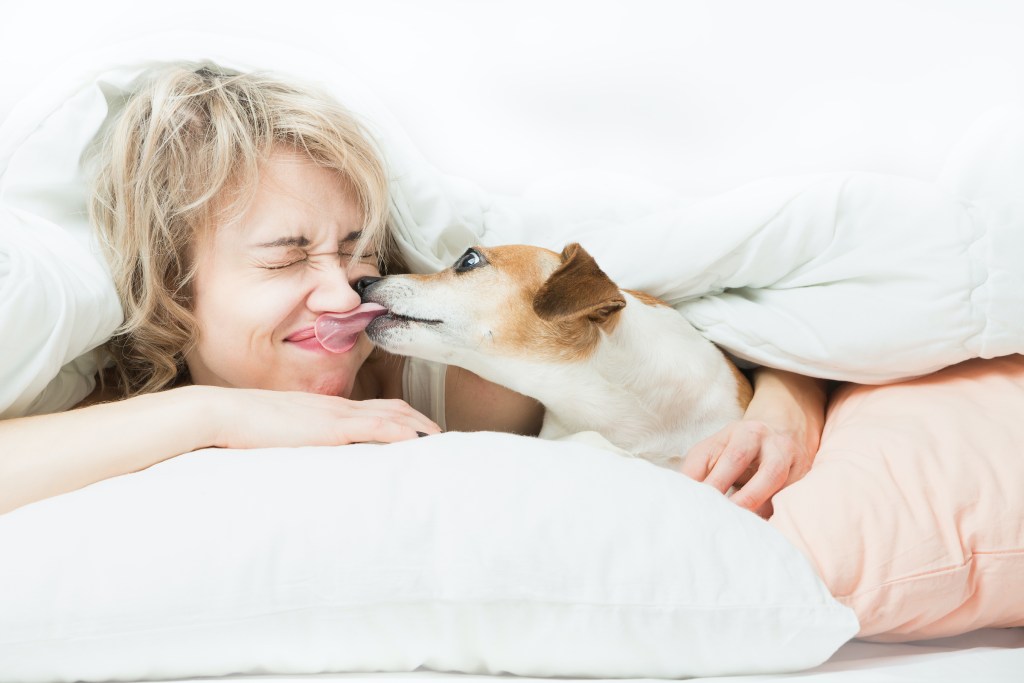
556, 328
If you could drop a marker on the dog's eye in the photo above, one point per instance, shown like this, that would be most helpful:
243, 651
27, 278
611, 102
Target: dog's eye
470, 260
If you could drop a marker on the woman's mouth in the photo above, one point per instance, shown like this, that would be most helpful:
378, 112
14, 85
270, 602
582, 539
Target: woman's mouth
302, 335
306, 340
339, 332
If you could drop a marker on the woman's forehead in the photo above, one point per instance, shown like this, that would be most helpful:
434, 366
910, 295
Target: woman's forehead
298, 200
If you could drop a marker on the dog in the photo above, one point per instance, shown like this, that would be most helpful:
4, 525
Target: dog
556, 328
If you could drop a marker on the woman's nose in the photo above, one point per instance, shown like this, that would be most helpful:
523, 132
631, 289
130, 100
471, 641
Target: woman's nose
333, 292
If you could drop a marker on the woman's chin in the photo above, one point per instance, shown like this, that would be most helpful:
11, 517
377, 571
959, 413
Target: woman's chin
328, 384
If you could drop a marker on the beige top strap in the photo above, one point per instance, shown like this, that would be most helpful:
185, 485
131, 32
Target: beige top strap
423, 387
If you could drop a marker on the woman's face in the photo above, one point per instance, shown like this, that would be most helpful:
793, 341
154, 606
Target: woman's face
262, 281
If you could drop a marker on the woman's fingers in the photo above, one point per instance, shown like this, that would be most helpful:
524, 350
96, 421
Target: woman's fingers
751, 456
741, 451
373, 428
698, 460
375, 424
406, 412
776, 461
391, 410
258, 419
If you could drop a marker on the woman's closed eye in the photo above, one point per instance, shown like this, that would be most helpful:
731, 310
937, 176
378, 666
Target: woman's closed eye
281, 260
346, 260
282, 266
289, 250
365, 260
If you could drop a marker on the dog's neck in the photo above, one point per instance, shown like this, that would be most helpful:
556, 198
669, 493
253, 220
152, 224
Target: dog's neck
651, 385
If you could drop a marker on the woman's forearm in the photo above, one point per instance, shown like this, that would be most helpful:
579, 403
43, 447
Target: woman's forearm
790, 403
51, 454
47, 455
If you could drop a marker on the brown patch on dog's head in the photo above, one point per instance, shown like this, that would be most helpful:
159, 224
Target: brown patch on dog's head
569, 310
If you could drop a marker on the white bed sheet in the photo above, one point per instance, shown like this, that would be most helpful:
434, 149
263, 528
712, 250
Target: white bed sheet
988, 655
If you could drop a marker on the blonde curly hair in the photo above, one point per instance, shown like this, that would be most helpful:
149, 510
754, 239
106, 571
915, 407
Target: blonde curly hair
184, 155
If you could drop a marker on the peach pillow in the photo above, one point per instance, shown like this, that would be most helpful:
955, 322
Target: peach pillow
913, 513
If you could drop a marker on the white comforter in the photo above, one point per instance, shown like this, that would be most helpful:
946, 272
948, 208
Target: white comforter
857, 277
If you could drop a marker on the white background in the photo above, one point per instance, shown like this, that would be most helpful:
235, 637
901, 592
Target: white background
697, 96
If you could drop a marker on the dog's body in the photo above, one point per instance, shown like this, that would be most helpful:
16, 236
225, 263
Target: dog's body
555, 328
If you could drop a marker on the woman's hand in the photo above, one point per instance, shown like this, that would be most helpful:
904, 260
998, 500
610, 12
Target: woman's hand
46, 455
771, 447
255, 418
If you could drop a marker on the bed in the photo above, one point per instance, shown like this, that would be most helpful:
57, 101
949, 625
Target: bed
556, 187
983, 655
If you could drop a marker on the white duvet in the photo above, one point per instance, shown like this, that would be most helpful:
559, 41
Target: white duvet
857, 277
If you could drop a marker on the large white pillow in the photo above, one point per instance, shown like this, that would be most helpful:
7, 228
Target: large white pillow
480, 553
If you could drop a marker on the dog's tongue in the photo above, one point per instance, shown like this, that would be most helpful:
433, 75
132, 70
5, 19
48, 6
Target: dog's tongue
338, 332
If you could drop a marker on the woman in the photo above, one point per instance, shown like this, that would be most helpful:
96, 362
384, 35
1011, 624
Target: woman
236, 209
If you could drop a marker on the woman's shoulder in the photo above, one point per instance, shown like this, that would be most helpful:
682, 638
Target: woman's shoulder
473, 403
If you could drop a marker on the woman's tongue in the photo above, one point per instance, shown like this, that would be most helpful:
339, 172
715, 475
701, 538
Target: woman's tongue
338, 332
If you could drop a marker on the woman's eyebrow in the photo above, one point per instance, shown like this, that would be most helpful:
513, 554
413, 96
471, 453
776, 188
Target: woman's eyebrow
286, 242
352, 237
302, 241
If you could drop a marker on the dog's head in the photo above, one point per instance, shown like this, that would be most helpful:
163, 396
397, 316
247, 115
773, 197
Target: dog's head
511, 301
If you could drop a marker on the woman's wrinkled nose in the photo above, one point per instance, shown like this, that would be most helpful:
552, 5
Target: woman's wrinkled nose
363, 283
333, 292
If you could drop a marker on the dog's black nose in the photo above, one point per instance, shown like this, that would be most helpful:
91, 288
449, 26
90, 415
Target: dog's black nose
363, 283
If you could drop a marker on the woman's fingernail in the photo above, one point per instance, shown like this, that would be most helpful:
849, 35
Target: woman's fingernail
421, 433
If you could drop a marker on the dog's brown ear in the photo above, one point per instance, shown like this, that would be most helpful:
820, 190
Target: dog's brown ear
578, 288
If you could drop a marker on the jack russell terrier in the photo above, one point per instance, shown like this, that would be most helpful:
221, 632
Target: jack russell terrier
556, 328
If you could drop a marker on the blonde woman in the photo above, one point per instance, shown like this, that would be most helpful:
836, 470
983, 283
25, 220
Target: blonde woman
235, 209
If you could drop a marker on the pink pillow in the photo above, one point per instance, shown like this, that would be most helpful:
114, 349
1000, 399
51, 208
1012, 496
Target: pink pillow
913, 512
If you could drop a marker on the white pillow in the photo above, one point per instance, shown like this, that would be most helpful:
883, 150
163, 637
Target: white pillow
478, 553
